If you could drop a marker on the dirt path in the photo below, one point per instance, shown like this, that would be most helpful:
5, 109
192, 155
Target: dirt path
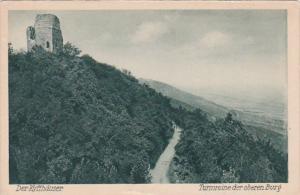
159, 173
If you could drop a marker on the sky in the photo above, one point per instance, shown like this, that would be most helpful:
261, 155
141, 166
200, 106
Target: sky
231, 52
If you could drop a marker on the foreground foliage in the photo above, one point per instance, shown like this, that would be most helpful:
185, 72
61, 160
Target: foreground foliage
74, 120
223, 151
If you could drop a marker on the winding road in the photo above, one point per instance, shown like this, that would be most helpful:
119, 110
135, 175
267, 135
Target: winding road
160, 171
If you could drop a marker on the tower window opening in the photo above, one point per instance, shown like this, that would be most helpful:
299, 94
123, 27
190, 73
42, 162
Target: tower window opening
32, 35
47, 44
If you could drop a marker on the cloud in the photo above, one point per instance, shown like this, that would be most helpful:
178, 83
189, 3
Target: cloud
105, 37
171, 18
248, 41
215, 39
149, 32
216, 47
218, 39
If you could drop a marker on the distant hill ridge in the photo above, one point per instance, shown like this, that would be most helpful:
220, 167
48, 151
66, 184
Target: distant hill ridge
215, 110
188, 98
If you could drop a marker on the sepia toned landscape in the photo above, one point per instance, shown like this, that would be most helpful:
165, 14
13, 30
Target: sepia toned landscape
155, 96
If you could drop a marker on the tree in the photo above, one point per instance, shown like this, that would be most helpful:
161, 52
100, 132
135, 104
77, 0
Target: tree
70, 50
228, 117
127, 72
10, 49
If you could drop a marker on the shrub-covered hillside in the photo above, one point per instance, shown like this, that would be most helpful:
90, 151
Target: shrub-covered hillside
74, 120
223, 151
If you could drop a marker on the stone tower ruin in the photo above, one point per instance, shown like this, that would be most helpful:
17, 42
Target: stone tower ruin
45, 33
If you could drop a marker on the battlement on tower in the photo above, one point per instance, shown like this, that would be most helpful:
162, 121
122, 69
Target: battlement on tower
45, 33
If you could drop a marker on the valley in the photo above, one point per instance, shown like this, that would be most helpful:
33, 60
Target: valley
261, 119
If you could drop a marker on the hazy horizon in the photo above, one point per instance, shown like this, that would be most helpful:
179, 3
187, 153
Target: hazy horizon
232, 52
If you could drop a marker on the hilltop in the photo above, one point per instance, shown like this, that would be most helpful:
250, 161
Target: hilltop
74, 120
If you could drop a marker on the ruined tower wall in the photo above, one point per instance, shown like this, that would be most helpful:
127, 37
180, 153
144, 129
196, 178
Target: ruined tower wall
57, 40
47, 33
30, 32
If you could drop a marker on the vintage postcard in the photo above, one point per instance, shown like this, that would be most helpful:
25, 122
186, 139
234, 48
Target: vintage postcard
149, 98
